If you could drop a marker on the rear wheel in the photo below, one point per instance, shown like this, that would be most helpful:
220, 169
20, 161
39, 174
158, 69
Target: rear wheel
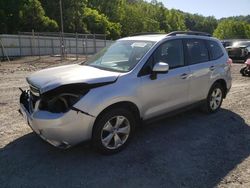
214, 99
113, 130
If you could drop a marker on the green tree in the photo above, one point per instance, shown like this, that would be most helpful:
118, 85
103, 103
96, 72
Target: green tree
209, 24
73, 11
175, 20
195, 22
9, 15
231, 29
141, 17
114, 17
3, 26
78, 17
99, 23
132, 22
154, 12
238, 18
32, 16
72, 14
113, 9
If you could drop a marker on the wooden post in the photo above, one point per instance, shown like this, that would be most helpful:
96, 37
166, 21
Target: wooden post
20, 44
94, 43
38, 43
52, 46
4, 51
33, 42
105, 42
76, 46
86, 47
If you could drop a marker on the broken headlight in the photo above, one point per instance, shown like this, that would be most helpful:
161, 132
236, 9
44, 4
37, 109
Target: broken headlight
61, 99
61, 103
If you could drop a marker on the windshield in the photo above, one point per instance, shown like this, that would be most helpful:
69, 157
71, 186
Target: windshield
121, 56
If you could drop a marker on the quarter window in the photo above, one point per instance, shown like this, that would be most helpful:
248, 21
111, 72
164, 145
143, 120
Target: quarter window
215, 50
197, 51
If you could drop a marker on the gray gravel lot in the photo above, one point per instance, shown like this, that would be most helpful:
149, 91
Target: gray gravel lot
191, 149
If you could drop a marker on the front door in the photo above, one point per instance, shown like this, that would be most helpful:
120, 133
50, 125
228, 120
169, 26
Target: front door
168, 91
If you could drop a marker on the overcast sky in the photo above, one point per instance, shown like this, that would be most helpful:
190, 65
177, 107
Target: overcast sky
216, 8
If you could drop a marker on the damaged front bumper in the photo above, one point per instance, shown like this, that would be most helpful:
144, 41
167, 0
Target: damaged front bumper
59, 129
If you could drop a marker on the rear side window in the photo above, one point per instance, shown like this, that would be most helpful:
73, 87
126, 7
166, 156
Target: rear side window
196, 51
215, 50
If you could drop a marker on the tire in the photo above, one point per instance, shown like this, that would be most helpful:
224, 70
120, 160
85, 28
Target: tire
214, 99
246, 72
113, 130
242, 71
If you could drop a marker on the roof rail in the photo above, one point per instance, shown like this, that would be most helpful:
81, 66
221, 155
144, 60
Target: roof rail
145, 33
174, 33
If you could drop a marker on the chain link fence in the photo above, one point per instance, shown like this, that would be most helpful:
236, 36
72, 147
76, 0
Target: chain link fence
68, 45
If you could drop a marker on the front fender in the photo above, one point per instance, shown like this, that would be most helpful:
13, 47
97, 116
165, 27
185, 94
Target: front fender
100, 98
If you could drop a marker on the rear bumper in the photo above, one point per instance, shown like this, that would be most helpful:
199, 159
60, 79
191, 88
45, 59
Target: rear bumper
59, 129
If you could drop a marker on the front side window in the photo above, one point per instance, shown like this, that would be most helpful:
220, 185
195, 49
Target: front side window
121, 56
215, 50
197, 51
170, 52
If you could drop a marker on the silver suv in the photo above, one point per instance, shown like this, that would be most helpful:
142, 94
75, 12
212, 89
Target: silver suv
136, 78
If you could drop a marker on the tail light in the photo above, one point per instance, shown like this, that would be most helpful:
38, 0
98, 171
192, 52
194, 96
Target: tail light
229, 62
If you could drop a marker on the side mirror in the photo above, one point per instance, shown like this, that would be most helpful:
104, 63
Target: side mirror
159, 68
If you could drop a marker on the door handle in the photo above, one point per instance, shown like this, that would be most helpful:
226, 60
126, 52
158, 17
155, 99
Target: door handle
212, 68
184, 76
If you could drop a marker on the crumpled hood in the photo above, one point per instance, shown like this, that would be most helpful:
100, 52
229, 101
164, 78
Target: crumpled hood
51, 78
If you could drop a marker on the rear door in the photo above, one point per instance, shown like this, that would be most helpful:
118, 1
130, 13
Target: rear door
200, 66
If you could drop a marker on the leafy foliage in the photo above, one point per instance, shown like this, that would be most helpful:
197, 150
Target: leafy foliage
32, 16
99, 23
195, 22
228, 29
238, 18
115, 18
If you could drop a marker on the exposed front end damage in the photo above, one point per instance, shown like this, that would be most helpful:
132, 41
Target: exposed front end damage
50, 105
54, 118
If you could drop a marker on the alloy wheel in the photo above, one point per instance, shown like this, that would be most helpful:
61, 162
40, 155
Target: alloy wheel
216, 98
115, 132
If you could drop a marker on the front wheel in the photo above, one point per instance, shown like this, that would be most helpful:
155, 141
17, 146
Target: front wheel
214, 99
113, 130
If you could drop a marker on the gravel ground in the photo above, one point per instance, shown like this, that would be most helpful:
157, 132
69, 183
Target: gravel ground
191, 149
